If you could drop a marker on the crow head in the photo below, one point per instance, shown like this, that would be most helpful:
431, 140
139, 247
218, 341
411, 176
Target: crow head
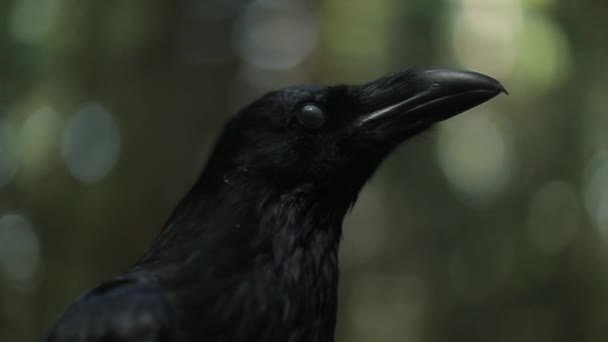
338, 135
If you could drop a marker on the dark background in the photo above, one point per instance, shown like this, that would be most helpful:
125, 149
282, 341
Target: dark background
493, 227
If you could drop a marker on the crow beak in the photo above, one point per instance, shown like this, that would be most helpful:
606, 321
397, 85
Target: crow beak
414, 100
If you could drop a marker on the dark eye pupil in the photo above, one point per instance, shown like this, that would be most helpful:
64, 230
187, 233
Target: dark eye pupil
311, 117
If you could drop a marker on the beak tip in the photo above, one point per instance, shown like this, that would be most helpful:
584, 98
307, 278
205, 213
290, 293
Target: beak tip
504, 90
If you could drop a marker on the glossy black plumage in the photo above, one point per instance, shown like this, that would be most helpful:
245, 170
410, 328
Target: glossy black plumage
250, 253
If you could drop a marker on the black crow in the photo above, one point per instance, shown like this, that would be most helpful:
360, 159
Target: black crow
251, 252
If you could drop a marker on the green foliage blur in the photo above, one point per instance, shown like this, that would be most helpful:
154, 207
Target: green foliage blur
492, 227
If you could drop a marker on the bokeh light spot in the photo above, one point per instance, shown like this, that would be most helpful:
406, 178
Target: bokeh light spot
91, 143
39, 135
596, 191
484, 35
475, 156
32, 20
19, 248
275, 34
544, 52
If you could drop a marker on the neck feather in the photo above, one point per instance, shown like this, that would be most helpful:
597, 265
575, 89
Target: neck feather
258, 215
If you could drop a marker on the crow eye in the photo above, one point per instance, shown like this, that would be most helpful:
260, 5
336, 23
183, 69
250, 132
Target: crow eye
311, 116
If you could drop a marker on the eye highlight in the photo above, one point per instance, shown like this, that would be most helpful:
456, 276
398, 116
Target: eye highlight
311, 116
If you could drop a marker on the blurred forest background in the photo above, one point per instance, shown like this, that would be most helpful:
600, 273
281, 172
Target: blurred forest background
494, 227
